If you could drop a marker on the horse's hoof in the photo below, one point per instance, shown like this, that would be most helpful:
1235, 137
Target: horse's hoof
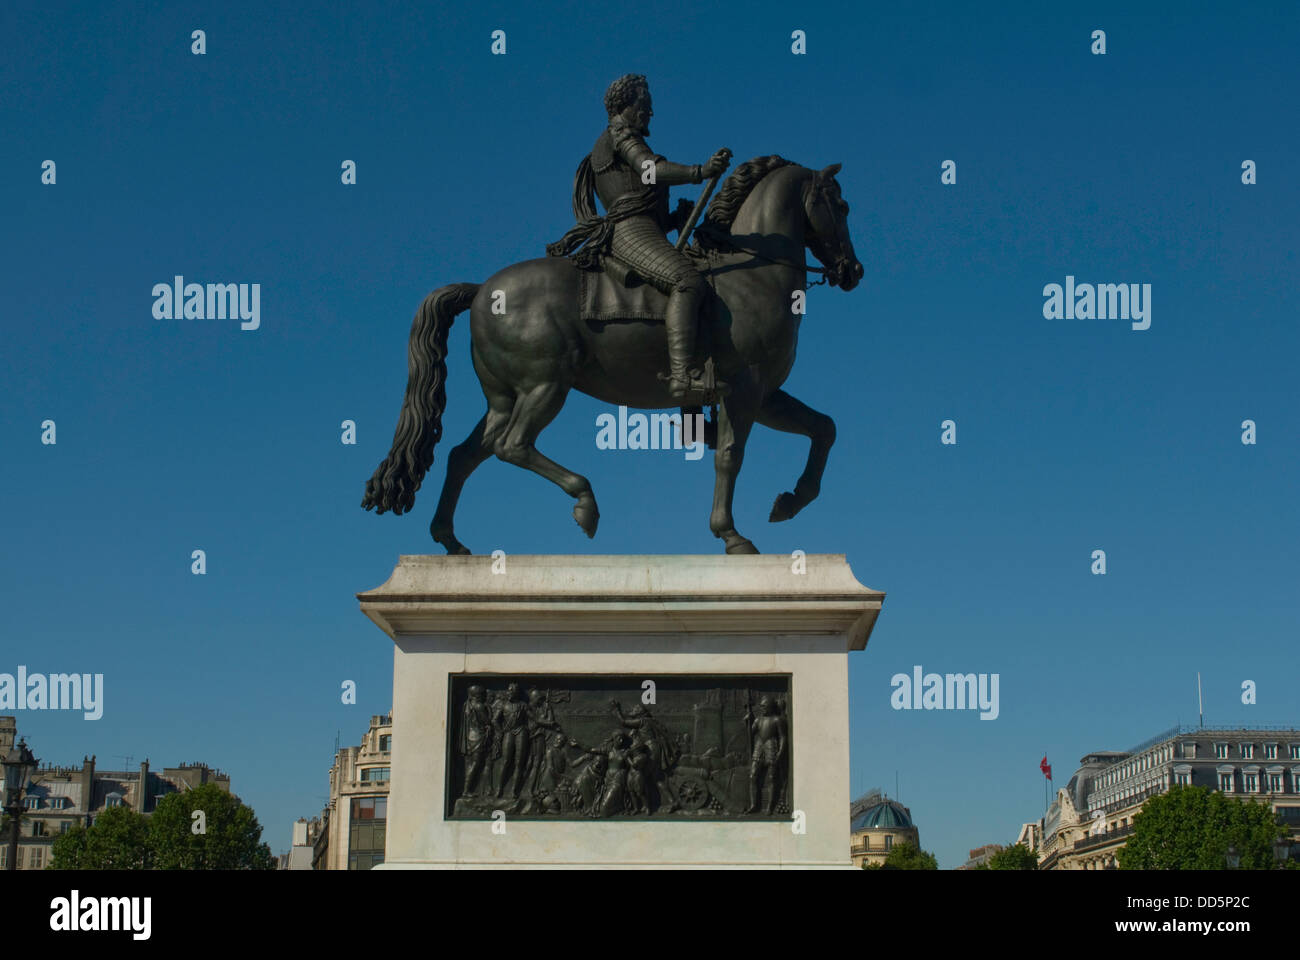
736, 544
783, 508
453, 546
586, 514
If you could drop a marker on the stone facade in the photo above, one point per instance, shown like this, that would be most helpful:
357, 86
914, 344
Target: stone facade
351, 831
61, 797
876, 825
980, 856
1092, 817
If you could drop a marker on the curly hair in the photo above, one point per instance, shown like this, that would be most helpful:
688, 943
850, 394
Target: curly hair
622, 93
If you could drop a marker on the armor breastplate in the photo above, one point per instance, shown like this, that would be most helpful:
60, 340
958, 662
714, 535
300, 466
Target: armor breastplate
616, 179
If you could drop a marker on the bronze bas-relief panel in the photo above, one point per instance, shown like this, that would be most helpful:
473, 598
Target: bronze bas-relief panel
587, 746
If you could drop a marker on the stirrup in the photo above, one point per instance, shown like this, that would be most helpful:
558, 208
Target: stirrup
704, 389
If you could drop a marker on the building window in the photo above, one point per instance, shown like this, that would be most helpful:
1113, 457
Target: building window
1225, 782
1275, 783
1295, 751
367, 832
64, 826
1189, 750
889, 841
38, 828
385, 742
1221, 751
1270, 751
1247, 751
32, 803
1252, 783
375, 774
37, 858
113, 800
370, 808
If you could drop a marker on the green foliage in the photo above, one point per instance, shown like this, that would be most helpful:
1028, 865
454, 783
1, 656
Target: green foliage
1017, 857
231, 840
1190, 828
119, 840
908, 856
122, 839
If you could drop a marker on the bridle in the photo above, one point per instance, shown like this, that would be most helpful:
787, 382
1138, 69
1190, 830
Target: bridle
807, 267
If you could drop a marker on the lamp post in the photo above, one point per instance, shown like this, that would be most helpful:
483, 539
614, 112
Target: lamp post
18, 765
1281, 850
1233, 858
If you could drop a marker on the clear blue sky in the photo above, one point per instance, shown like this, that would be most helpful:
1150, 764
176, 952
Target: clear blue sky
1073, 435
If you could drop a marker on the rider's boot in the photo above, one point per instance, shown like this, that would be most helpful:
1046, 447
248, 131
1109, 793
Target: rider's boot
686, 384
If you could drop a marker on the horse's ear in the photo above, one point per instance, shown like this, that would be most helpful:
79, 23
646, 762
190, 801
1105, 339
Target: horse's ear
830, 171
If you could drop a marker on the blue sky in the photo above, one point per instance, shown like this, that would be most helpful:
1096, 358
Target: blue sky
1073, 435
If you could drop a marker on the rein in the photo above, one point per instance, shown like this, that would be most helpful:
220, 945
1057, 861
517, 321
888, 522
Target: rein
730, 241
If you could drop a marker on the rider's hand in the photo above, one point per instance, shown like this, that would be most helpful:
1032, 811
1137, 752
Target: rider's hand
717, 163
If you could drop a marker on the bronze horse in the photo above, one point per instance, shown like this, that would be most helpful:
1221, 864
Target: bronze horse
751, 244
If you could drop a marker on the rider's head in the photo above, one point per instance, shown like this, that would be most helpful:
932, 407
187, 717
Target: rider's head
628, 98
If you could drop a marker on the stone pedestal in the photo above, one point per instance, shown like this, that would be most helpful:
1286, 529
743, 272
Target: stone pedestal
652, 617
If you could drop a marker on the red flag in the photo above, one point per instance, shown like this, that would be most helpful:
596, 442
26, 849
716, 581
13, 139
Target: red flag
1046, 768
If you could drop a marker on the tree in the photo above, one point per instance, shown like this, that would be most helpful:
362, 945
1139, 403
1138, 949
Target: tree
1016, 857
226, 837
1190, 828
118, 840
906, 856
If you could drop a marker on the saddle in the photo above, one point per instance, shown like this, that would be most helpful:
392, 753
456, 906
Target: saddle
615, 291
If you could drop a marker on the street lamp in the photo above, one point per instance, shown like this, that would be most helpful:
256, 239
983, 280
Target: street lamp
1282, 850
1233, 857
18, 765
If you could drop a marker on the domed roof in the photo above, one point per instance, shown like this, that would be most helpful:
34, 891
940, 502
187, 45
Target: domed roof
886, 813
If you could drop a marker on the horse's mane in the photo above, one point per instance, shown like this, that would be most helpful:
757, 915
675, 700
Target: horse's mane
733, 192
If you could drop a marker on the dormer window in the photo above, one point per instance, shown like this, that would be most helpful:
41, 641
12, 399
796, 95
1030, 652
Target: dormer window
1221, 751
1247, 751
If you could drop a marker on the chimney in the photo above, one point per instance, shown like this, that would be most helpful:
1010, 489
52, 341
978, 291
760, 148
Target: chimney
142, 791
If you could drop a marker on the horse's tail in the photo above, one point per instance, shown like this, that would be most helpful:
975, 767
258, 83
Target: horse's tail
419, 425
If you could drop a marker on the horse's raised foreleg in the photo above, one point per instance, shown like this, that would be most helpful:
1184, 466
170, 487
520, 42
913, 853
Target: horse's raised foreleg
783, 412
533, 410
735, 420
463, 460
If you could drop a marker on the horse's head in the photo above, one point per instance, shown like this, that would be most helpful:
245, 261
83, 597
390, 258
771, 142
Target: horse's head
828, 229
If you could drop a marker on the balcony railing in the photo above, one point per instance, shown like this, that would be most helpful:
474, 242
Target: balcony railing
1101, 839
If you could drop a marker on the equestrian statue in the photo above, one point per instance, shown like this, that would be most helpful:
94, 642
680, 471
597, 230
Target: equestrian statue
616, 311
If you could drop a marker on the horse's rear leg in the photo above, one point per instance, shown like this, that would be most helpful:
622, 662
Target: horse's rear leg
533, 411
783, 412
463, 460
